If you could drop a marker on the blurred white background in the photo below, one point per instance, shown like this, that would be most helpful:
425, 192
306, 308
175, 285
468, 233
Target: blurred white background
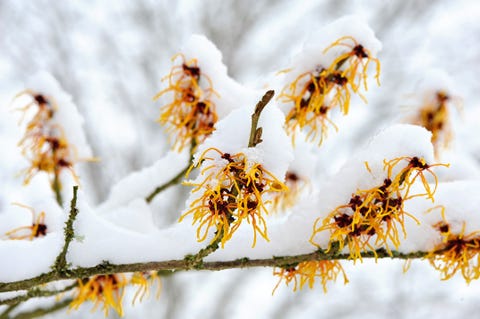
111, 55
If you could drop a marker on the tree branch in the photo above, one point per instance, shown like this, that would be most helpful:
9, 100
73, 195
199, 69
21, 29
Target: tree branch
186, 264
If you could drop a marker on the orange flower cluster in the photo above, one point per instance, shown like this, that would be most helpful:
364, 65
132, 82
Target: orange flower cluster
44, 142
378, 211
435, 117
306, 272
233, 191
315, 93
107, 290
190, 116
37, 229
457, 252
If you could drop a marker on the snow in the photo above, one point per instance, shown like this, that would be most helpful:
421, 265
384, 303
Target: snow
233, 133
122, 228
24, 259
98, 240
141, 183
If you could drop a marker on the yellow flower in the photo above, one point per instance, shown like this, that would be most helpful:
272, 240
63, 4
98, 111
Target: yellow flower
190, 116
287, 199
378, 211
306, 272
107, 290
144, 280
416, 167
434, 115
233, 191
308, 94
354, 63
37, 229
315, 93
457, 252
44, 143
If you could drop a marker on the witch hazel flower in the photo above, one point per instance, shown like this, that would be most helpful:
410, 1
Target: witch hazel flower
307, 272
370, 212
326, 74
144, 281
435, 106
38, 227
375, 217
53, 141
237, 182
191, 115
195, 95
458, 251
234, 187
106, 291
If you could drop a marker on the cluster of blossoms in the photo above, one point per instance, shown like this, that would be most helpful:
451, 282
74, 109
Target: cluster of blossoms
44, 143
232, 189
109, 290
377, 212
318, 91
190, 116
308, 271
434, 115
456, 252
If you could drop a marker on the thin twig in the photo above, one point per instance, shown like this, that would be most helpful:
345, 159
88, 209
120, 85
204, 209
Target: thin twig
35, 293
10, 308
39, 312
174, 181
255, 131
60, 265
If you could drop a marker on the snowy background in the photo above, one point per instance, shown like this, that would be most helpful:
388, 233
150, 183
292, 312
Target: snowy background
111, 57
